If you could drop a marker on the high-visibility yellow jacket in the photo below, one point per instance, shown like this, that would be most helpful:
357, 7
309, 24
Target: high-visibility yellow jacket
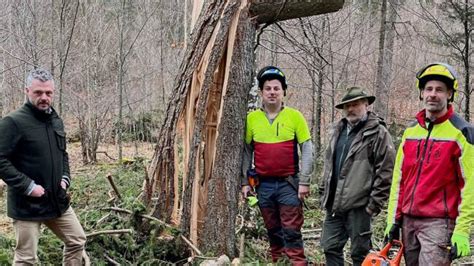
434, 172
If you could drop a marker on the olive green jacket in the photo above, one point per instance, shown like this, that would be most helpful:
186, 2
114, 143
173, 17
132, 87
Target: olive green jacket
366, 172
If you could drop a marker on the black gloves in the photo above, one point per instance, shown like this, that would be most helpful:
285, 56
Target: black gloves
392, 232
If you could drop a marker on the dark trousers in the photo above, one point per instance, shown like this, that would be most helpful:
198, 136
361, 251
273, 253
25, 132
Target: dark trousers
283, 216
338, 228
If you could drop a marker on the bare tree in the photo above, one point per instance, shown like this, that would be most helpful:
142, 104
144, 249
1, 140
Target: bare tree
127, 42
64, 39
382, 66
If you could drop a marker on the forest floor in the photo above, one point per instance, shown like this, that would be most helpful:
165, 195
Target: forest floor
149, 243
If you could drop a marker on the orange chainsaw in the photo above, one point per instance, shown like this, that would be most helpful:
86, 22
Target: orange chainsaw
381, 258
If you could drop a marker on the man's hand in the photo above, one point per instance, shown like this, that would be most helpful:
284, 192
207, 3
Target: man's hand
303, 192
38, 191
392, 232
246, 190
63, 184
460, 246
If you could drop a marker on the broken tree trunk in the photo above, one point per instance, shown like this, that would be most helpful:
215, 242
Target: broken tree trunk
278, 10
195, 171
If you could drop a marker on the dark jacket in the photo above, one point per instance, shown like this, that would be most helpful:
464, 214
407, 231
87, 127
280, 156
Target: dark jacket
33, 148
365, 175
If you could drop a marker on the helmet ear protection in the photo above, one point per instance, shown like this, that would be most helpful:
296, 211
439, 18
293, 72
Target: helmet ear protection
437, 71
271, 73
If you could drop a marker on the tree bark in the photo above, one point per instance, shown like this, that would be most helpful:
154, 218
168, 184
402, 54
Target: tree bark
162, 169
219, 230
278, 10
466, 61
381, 104
319, 97
204, 137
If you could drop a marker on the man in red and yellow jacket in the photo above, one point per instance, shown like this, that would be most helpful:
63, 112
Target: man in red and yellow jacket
432, 193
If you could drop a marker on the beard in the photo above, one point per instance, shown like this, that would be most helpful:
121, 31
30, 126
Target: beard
354, 118
435, 106
42, 105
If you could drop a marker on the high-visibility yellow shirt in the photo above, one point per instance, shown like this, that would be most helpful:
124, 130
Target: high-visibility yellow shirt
275, 144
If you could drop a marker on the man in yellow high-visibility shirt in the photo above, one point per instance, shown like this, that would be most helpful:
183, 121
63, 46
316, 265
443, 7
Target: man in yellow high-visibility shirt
273, 134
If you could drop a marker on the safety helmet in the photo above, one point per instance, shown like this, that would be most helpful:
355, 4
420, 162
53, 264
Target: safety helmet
270, 73
438, 71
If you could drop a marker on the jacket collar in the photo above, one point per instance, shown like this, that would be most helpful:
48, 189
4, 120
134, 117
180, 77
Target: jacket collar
39, 114
421, 117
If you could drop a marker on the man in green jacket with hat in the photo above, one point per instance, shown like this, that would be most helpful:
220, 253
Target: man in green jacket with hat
35, 165
357, 176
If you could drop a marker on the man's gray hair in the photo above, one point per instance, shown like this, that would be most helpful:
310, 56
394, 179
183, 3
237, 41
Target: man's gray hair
40, 74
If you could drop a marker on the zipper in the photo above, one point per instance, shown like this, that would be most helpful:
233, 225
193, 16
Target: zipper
278, 127
430, 128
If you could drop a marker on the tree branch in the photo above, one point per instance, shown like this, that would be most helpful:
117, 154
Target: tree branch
61, 73
114, 187
110, 232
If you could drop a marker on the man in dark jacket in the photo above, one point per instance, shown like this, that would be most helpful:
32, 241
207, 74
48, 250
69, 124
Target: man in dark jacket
35, 165
356, 181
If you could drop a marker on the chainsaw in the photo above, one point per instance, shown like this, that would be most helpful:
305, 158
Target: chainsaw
382, 258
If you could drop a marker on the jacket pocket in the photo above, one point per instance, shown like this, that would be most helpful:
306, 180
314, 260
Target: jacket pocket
36, 206
60, 139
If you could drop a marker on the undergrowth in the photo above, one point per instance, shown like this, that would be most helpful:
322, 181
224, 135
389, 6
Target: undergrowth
150, 243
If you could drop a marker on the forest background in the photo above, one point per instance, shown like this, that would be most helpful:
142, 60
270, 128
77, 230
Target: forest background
116, 63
